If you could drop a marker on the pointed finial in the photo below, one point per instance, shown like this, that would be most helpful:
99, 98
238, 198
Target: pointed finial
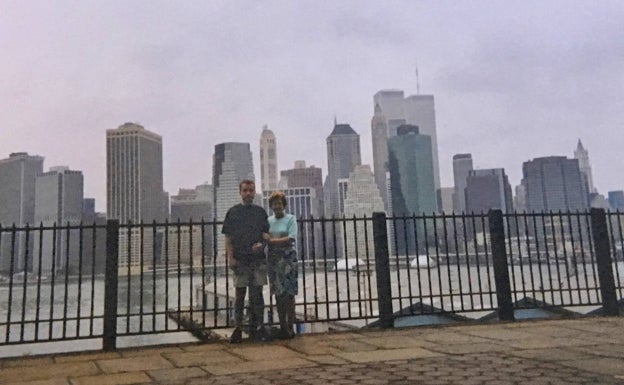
335, 121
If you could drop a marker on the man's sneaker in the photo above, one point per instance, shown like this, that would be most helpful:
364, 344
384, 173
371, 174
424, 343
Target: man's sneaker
237, 336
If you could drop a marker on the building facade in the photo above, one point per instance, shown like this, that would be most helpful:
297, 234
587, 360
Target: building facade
412, 184
343, 154
268, 159
554, 183
134, 190
583, 159
488, 189
232, 163
18, 174
616, 200
462, 165
417, 110
362, 200
59, 202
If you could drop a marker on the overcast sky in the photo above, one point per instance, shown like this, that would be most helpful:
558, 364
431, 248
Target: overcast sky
512, 80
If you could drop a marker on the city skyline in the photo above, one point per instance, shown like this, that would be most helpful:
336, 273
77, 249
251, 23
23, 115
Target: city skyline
511, 82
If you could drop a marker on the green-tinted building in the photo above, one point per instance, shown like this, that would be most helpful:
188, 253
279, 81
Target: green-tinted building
412, 186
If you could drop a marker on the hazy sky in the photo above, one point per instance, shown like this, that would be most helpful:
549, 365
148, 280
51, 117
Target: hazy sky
512, 80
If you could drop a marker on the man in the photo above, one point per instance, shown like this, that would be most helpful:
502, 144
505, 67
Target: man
243, 227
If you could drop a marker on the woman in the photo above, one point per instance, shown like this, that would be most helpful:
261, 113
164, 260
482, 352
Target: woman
282, 262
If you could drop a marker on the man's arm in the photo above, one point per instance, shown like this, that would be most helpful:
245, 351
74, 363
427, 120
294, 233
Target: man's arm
229, 252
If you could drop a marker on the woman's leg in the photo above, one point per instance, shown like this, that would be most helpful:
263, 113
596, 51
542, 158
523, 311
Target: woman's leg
290, 309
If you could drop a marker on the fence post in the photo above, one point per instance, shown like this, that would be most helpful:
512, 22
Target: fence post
501, 269
110, 285
382, 269
602, 249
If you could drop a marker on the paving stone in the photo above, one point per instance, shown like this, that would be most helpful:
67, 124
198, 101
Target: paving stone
606, 350
113, 379
309, 346
47, 371
351, 346
395, 342
207, 347
441, 336
177, 375
134, 364
386, 355
138, 352
326, 359
546, 342
25, 362
50, 381
87, 357
503, 334
265, 352
256, 366
611, 366
469, 348
560, 354
200, 358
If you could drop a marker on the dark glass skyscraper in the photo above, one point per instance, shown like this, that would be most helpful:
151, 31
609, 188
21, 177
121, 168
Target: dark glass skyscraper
554, 183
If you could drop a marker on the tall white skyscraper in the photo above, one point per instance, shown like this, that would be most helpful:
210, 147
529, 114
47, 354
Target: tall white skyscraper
420, 111
462, 165
134, 189
58, 201
268, 160
134, 175
362, 198
583, 158
232, 163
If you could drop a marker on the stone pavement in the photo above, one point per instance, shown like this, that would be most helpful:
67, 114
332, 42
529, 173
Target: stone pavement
574, 351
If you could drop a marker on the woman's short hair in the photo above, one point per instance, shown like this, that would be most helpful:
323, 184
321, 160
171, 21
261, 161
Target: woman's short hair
278, 196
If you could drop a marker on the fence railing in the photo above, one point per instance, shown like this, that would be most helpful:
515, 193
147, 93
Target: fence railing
108, 280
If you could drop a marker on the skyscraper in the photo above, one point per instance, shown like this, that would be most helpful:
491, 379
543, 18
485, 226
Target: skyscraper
412, 185
232, 163
616, 200
134, 175
134, 189
343, 154
59, 201
417, 110
302, 176
554, 183
420, 111
18, 173
268, 159
488, 189
583, 159
379, 133
462, 165
191, 241
362, 199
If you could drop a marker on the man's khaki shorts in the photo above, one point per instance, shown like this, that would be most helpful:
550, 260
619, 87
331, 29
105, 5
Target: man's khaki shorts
250, 275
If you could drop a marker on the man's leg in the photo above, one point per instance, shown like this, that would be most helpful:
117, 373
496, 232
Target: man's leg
239, 304
256, 302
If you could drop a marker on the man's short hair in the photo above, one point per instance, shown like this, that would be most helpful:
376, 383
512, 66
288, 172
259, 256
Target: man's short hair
245, 181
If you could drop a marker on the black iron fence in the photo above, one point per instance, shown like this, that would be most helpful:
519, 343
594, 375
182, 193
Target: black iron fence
108, 281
